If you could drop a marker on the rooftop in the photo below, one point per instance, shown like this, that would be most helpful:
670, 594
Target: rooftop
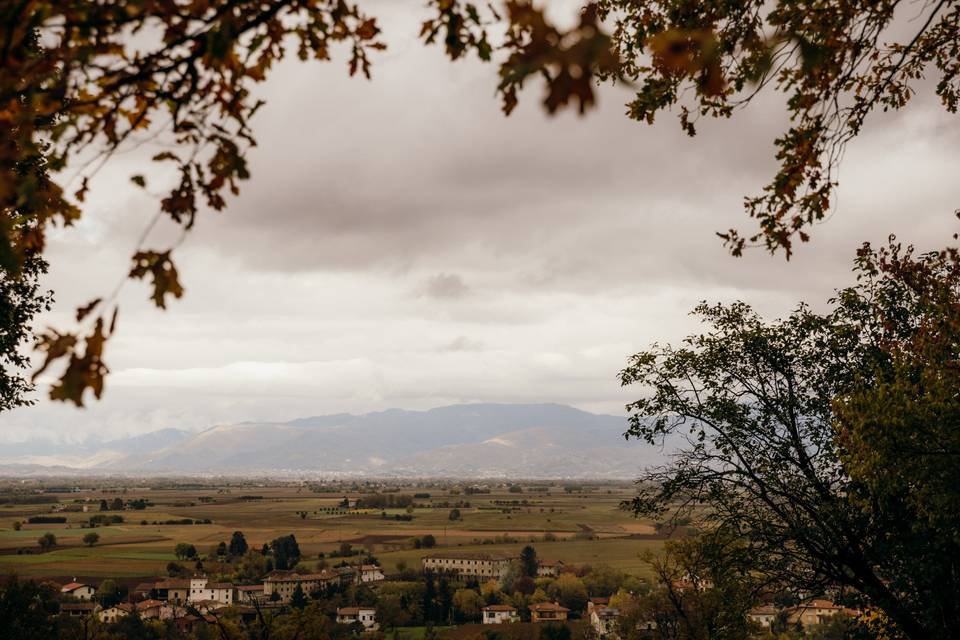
547, 606
459, 555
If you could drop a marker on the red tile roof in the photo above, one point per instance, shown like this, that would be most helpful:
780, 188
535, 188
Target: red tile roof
547, 606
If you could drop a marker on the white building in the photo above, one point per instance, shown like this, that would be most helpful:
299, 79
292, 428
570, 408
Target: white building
549, 568
202, 590
367, 616
371, 573
468, 565
78, 591
603, 619
284, 583
498, 614
114, 613
764, 615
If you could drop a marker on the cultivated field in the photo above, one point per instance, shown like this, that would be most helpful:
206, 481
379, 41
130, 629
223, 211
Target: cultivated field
581, 524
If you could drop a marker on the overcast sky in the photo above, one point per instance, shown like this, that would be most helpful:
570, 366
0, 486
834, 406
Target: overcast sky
402, 244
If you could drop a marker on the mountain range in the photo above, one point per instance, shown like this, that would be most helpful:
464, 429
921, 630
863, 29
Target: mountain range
467, 440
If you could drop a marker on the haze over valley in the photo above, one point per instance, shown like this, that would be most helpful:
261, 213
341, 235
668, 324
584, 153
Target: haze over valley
468, 440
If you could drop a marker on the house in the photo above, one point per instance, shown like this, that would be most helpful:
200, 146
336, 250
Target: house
603, 619
764, 615
171, 590
347, 575
207, 606
250, 593
371, 573
77, 591
284, 583
468, 565
77, 609
815, 612
150, 609
201, 590
367, 616
114, 613
548, 612
173, 611
594, 603
498, 614
549, 568
188, 623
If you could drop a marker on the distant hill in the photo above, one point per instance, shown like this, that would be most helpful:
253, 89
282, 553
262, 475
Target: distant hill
490, 440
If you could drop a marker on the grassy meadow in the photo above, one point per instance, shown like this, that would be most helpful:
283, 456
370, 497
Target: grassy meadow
585, 525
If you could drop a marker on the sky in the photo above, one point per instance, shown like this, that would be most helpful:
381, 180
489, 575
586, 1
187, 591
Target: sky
403, 244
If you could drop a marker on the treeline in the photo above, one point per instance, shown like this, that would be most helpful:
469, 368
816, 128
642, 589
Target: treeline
17, 498
385, 501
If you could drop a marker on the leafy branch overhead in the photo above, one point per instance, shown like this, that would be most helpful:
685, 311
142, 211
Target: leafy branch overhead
835, 61
81, 78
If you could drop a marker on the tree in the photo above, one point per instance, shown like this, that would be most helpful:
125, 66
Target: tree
525, 585
707, 60
429, 597
298, 600
21, 299
108, 593
47, 541
28, 610
467, 604
238, 544
428, 541
104, 506
185, 551
390, 612
286, 551
706, 588
793, 433
91, 538
221, 550
569, 591
117, 504
603, 581
252, 566
454, 514
554, 631
17, 525
529, 563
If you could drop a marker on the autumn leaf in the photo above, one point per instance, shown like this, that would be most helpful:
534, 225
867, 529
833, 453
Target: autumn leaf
159, 266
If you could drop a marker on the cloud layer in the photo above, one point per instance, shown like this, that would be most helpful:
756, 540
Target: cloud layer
402, 243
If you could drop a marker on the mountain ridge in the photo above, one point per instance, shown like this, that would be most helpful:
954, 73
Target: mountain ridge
479, 439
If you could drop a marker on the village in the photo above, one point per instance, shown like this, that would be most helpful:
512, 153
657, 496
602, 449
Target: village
449, 590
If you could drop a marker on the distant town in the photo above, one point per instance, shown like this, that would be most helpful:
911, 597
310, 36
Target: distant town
435, 558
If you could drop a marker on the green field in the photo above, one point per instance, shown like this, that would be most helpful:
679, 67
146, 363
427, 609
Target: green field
587, 526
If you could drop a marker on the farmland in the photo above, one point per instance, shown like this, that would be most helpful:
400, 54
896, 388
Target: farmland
581, 524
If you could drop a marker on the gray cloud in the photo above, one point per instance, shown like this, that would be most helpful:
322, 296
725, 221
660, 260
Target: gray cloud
566, 243
444, 285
